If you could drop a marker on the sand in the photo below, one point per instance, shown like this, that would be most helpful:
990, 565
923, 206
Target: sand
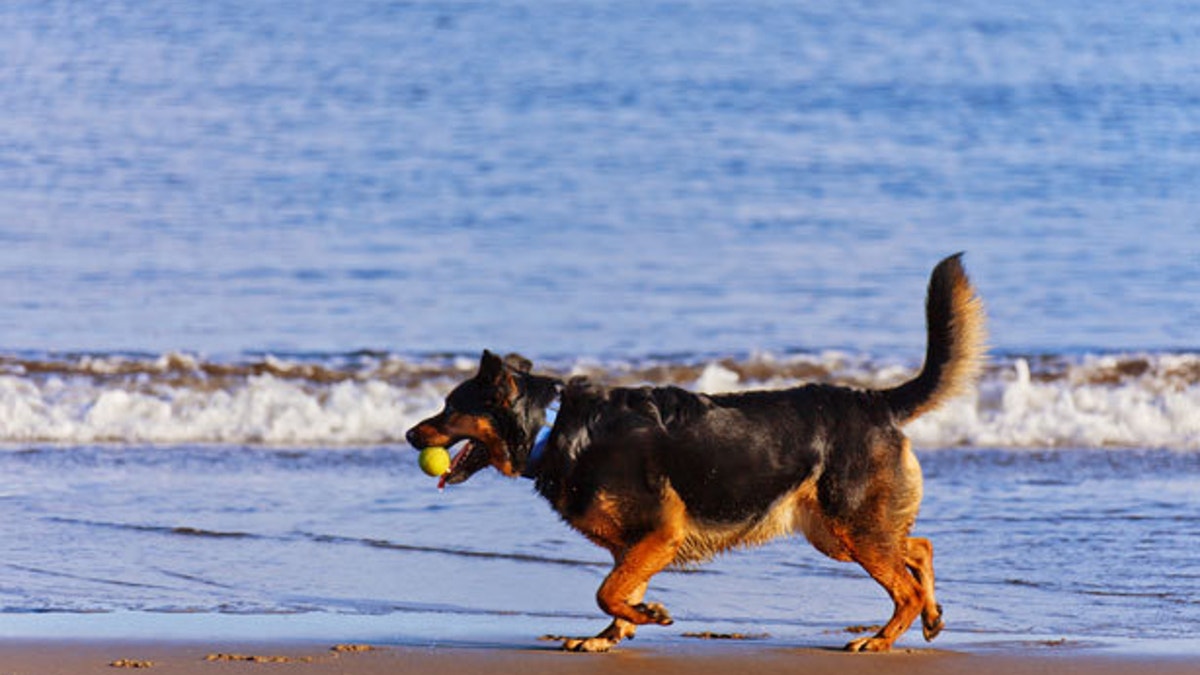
48, 657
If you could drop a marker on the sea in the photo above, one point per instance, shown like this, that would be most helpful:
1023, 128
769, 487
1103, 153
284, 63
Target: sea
245, 245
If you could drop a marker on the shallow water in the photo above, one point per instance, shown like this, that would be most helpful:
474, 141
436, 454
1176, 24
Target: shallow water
1085, 545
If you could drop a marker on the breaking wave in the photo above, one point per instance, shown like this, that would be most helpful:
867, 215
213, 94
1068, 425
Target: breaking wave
1149, 400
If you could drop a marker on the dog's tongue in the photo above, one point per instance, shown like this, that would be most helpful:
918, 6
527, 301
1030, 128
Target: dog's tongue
454, 462
462, 466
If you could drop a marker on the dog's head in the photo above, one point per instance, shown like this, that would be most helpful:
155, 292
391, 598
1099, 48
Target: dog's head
492, 414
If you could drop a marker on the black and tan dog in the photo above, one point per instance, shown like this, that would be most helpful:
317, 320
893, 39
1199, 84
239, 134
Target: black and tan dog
661, 476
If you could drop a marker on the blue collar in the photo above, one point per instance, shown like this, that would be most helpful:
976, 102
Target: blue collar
542, 439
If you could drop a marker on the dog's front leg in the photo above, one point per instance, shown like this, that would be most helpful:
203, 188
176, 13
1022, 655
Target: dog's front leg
624, 603
618, 630
621, 595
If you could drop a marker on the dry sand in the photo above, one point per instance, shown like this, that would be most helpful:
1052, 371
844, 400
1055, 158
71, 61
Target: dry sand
50, 657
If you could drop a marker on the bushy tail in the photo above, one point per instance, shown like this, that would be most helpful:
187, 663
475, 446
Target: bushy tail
955, 352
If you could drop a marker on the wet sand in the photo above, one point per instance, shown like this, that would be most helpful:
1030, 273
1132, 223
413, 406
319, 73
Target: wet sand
45, 657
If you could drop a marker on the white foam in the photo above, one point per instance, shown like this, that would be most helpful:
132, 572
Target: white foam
264, 409
1135, 401
716, 379
1013, 409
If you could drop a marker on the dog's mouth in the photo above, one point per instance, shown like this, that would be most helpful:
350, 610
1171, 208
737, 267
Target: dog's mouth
472, 457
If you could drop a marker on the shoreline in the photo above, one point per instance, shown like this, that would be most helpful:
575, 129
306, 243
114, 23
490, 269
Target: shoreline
441, 632
200, 656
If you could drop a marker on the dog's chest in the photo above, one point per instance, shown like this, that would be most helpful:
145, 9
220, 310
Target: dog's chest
603, 522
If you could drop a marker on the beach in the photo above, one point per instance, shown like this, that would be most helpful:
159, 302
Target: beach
199, 657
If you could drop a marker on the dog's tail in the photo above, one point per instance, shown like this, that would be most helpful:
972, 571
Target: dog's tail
955, 351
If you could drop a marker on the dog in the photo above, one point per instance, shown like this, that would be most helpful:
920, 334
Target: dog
661, 476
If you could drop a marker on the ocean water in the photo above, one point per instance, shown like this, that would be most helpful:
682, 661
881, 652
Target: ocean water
244, 246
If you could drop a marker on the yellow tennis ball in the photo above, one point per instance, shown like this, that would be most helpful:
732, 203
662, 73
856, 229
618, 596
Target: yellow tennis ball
434, 461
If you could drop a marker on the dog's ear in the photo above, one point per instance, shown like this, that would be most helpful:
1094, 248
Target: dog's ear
494, 374
518, 363
491, 368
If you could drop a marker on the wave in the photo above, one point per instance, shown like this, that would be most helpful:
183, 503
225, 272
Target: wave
456, 552
183, 531
363, 399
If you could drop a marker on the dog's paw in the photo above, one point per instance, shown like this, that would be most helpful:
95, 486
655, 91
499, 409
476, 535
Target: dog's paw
655, 612
869, 644
930, 629
592, 645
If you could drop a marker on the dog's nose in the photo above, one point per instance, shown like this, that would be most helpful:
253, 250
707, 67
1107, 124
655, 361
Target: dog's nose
413, 438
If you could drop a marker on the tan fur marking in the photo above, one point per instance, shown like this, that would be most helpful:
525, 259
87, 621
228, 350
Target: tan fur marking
602, 523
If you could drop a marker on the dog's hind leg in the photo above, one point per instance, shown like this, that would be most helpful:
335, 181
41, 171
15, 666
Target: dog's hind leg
887, 565
876, 537
919, 559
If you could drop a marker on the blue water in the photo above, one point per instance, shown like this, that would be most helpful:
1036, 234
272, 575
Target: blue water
601, 179
397, 184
